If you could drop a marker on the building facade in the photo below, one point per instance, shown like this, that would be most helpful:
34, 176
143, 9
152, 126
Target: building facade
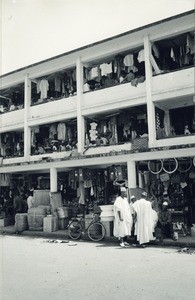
121, 110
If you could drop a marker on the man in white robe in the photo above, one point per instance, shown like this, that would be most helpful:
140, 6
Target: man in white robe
144, 224
123, 220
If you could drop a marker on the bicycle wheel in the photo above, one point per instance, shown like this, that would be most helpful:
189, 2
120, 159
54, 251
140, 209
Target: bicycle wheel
96, 231
171, 165
184, 164
74, 230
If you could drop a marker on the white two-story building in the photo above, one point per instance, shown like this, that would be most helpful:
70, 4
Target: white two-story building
121, 110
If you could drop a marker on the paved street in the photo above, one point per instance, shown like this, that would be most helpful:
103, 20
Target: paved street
33, 268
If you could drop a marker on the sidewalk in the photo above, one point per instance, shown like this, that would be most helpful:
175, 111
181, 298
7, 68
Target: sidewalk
183, 241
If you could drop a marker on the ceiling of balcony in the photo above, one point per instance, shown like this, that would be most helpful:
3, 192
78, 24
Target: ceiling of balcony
176, 102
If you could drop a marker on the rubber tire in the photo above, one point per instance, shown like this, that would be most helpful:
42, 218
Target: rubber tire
77, 233
97, 226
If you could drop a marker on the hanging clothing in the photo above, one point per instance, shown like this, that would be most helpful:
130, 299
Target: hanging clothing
167, 123
58, 84
122, 228
155, 50
52, 131
190, 45
44, 88
141, 57
172, 54
81, 193
94, 73
5, 180
144, 224
61, 129
106, 69
128, 60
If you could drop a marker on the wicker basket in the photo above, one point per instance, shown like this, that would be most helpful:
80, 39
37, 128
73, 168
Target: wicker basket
140, 144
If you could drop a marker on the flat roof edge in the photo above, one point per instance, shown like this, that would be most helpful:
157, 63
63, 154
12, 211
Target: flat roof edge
100, 42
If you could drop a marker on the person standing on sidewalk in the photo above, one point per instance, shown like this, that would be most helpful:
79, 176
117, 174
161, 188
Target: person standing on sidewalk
123, 220
17, 202
164, 222
143, 221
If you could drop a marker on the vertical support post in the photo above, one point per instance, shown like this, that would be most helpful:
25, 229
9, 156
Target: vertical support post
80, 118
53, 180
27, 131
150, 104
131, 174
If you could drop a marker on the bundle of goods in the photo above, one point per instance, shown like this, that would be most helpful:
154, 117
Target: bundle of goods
63, 217
21, 222
50, 223
35, 218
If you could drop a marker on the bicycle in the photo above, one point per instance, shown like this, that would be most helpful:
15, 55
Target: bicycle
95, 230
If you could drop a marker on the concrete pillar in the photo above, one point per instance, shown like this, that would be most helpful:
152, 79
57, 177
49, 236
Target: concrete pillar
150, 104
27, 131
80, 118
131, 174
53, 180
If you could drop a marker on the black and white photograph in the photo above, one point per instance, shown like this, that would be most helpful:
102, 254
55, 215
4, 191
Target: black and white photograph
97, 149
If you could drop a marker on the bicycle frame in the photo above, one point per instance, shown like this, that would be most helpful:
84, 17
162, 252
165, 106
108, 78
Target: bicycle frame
80, 219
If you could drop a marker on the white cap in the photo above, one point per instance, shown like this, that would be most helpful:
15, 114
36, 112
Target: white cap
123, 189
132, 197
165, 203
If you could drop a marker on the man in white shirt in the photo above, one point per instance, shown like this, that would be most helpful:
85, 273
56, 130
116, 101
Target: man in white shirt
30, 200
144, 222
123, 220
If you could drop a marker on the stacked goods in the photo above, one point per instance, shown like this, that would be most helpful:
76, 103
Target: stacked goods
63, 223
35, 218
42, 197
107, 218
47, 208
21, 222
63, 217
50, 223
56, 202
107, 213
63, 212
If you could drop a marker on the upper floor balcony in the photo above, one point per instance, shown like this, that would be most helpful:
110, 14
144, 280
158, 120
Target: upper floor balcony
9, 121
53, 111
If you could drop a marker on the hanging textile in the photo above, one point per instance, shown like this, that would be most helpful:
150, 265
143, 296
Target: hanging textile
44, 88
157, 121
141, 57
106, 68
4, 180
61, 129
52, 131
58, 83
